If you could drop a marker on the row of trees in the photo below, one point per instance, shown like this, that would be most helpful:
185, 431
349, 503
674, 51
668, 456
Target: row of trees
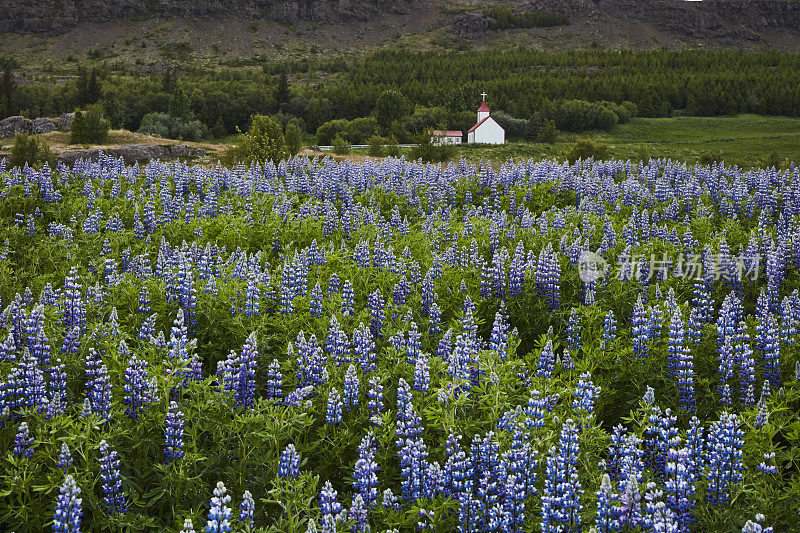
405, 92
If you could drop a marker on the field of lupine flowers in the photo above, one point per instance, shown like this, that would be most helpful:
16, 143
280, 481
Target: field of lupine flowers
388, 345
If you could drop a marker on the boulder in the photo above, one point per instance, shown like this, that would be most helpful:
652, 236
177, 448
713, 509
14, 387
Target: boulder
64, 122
132, 153
13, 125
43, 125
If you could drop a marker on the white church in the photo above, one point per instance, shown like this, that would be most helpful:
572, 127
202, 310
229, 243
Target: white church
485, 131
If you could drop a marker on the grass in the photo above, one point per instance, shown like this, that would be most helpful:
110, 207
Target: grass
743, 140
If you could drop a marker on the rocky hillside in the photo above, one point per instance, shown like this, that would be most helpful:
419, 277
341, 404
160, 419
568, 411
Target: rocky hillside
56, 16
721, 22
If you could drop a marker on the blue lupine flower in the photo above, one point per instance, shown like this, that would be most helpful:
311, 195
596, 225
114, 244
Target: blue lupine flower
606, 522
219, 516
561, 506
64, 458
422, 375
546, 363
351, 388
247, 508
113, 496
609, 328
724, 457
173, 434
274, 380
348, 298
289, 465
23, 442
138, 394
375, 400
333, 415
67, 517
358, 514
328, 503
365, 473
585, 394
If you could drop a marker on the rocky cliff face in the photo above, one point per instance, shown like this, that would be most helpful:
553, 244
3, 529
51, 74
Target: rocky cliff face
56, 16
737, 19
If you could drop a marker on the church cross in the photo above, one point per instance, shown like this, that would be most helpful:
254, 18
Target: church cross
484, 96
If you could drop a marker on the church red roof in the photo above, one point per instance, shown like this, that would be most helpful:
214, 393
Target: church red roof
473, 128
447, 133
483, 107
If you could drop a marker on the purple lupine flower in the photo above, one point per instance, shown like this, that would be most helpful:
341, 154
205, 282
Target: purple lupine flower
328, 503
23, 442
364, 348
67, 517
337, 343
252, 299
422, 374
546, 362
274, 380
724, 457
219, 516
639, 329
245, 373
561, 506
358, 514
333, 414
289, 465
755, 526
113, 496
366, 468
679, 486
375, 401
173, 434
348, 298
64, 458
351, 388
138, 394
585, 393
376, 305
498, 340
609, 328
247, 508
315, 306
606, 522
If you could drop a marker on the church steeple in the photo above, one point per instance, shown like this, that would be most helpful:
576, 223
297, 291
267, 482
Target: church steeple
483, 110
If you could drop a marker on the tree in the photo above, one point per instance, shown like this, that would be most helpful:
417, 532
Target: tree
82, 87
376, 146
264, 141
340, 145
218, 130
93, 90
7, 83
179, 103
547, 132
282, 89
391, 106
293, 138
89, 127
28, 150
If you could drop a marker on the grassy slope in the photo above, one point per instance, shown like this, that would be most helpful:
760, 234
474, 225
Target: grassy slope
744, 140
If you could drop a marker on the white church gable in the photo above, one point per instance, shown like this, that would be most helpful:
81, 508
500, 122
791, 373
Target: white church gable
486, 130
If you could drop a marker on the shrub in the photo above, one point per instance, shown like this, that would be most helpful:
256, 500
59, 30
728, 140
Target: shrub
606, 119
28, 150
340, 145
89, 127
170, 127
327, 131
376, 143
358, 130
264, 141
392, 148
391, 106
547, 132
586, 148
293, 138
